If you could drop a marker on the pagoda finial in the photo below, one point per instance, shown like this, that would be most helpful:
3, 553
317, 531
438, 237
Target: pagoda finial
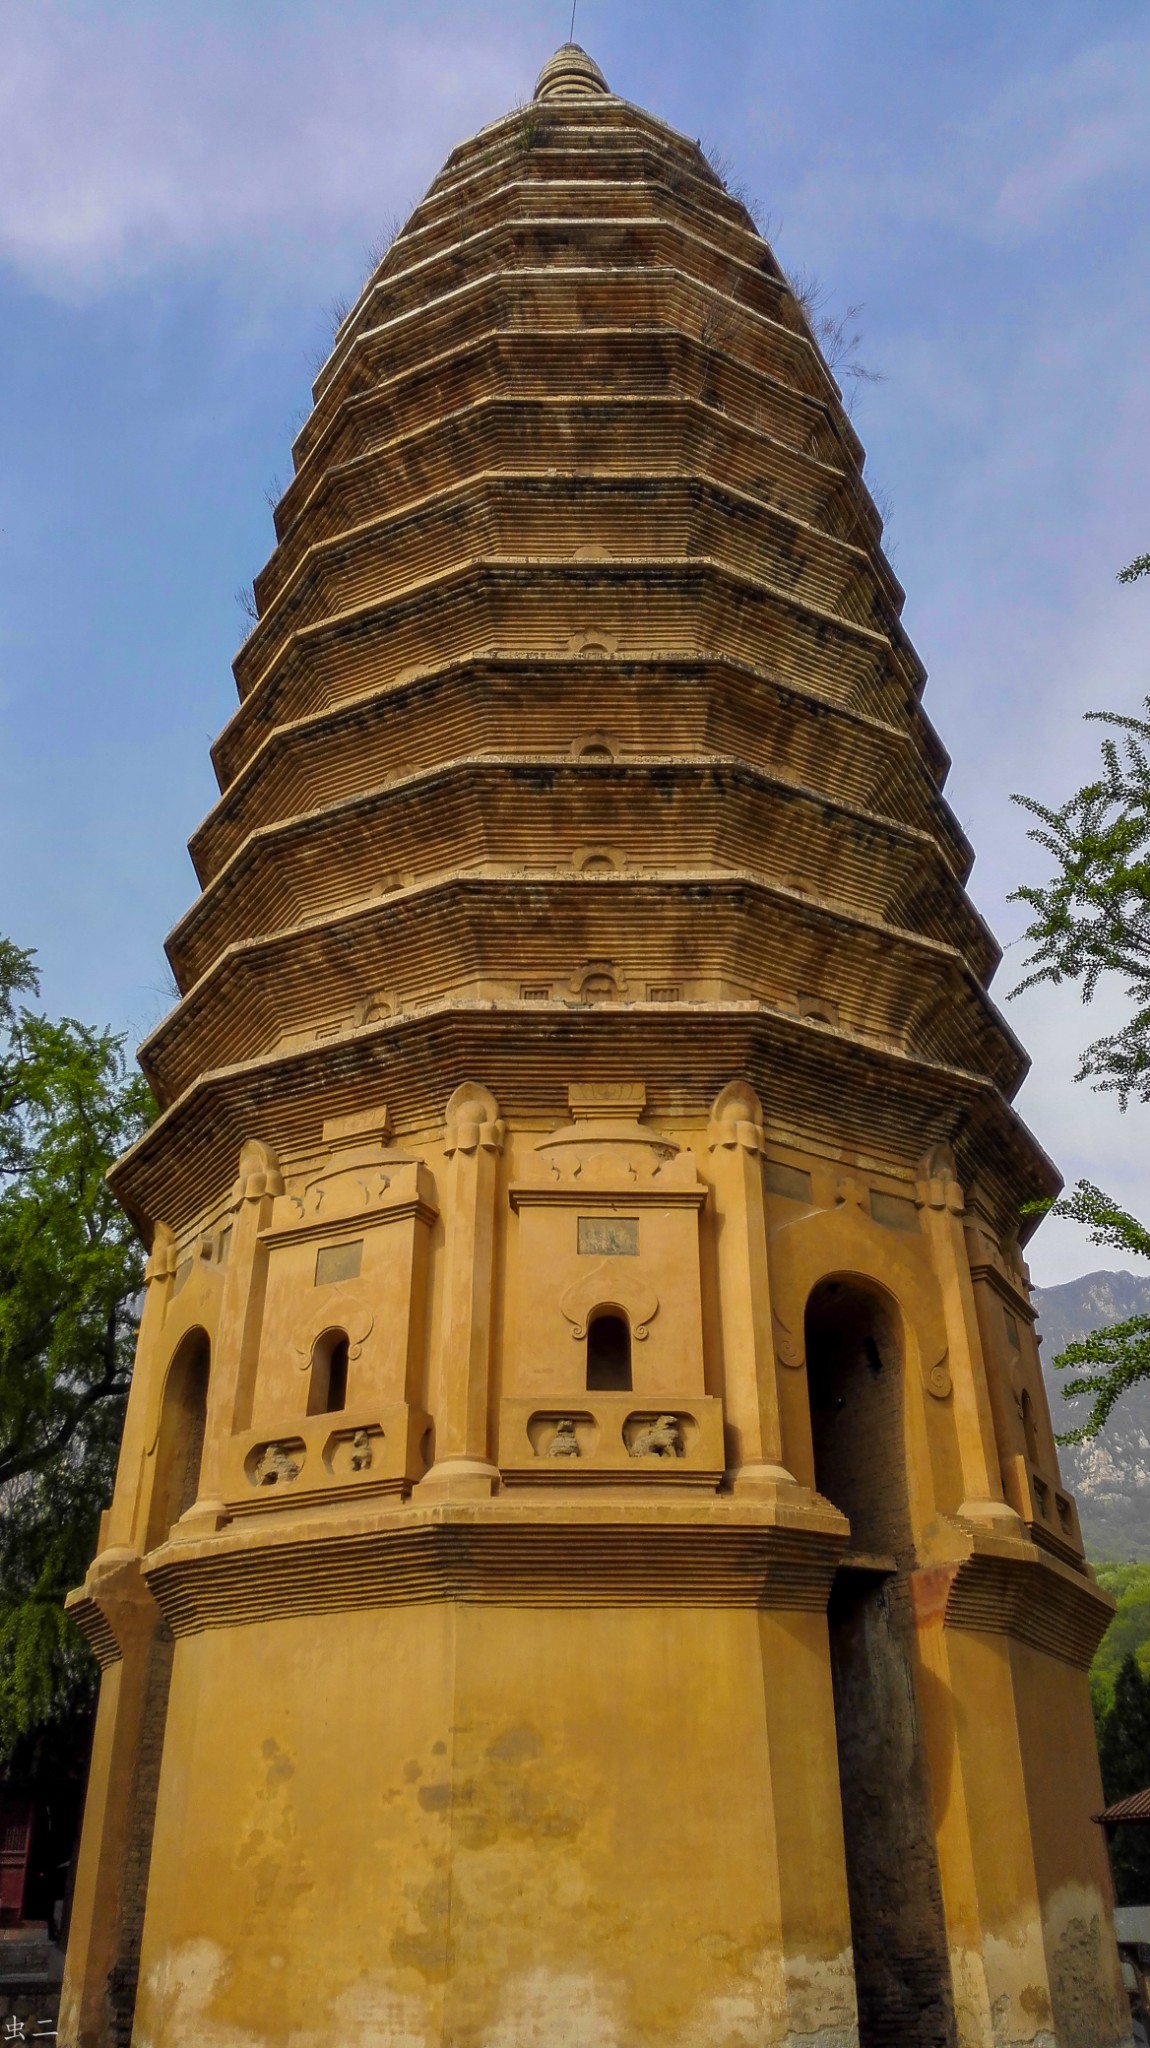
570, 75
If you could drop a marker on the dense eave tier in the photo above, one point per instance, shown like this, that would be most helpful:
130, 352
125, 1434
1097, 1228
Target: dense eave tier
585, 401
579, 702
859, 1102
674, 608
487, 935
580, 708
543, 818
537, 519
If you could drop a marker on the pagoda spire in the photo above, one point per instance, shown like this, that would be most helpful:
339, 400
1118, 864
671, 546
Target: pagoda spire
570, 75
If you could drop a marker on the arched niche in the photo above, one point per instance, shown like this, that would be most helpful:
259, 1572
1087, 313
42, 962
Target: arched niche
854, 1346
608, 1351
179, 1442
823, 1244
327, 1385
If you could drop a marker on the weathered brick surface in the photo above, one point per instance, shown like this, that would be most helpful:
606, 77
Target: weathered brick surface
124, 1976
900, 1949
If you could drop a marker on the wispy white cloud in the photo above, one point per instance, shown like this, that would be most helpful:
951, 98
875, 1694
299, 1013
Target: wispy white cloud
132, 139
1055, 137
1050, 138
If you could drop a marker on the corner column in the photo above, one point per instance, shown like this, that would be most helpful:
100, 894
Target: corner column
941, 1200
235, 1354
473, 1141
1023, 1872
735, 1140
118, 1530
117, 1613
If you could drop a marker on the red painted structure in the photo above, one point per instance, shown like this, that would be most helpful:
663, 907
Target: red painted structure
15, 1848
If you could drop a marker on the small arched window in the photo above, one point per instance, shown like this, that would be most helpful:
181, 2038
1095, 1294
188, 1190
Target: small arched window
608, 1354
1029, 1427
327, 1394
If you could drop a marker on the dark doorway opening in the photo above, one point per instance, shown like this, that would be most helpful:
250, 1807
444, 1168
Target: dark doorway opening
327, 1392
855, 1376
608, 1354
180, 1448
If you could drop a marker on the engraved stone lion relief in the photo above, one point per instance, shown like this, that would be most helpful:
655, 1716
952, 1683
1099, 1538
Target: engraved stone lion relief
662, 1438
276, 1464
565, 1442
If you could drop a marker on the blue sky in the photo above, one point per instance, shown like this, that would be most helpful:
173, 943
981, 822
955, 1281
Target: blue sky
185, 187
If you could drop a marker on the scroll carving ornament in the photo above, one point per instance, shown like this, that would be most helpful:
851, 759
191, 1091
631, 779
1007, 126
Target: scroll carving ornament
344, 1191
606, 1284
162, 1257
259, 1173
788, 1350
937, 1378
736, 1119
938, 1186
347, 1311
472, 1121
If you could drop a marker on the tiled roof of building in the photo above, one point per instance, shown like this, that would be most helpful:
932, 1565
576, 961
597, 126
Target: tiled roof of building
1134, 1811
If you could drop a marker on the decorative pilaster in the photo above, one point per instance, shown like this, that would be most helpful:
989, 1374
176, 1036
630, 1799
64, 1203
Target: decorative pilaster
235, 1356
117, 1613
473, 1141
941, 1200
1002, 1648
118, 1528
735, 1139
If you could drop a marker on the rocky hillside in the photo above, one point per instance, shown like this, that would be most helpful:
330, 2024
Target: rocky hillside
1111, 1476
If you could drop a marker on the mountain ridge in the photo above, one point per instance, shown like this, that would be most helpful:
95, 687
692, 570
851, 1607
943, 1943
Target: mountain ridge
1109, 1477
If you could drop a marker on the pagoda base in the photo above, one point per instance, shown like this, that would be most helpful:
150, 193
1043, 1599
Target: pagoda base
461, 1822
539, 1774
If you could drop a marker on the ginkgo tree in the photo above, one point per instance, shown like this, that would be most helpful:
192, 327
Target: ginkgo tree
1090, 920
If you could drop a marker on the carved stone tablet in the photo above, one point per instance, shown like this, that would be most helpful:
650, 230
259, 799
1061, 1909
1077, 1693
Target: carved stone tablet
609, 1236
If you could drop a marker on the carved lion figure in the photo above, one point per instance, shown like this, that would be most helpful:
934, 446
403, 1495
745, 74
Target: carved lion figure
277, 1463
661, 1439
564, 1443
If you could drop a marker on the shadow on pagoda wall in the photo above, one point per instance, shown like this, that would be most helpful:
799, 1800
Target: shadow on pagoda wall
180, 1438
855, 1377
177, 1455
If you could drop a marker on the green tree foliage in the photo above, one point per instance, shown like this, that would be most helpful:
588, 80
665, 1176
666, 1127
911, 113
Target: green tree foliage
1127, 1636
1105, 1362
1090, 920
70, 1271
1094, 917
1124, 1754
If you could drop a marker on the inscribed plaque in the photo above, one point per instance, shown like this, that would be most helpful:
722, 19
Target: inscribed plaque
610, 1236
